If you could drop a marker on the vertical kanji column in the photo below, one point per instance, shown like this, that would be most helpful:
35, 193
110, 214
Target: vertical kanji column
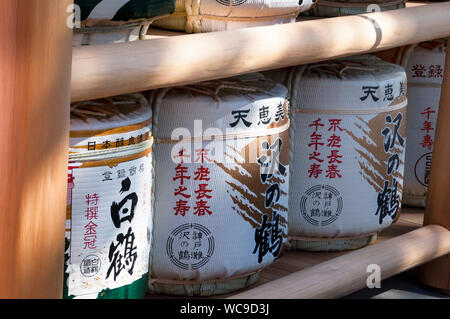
437, 272
35, 65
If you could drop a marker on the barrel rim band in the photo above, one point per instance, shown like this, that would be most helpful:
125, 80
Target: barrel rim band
293, 14
390, 108
111, 153
312, 239
357, 4
196, 282
199, 139
425, 84
237, 19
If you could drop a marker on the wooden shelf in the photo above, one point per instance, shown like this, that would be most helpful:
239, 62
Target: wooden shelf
107, 70
296, 263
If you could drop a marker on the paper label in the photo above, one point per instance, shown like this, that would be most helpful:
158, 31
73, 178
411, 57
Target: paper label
109, 223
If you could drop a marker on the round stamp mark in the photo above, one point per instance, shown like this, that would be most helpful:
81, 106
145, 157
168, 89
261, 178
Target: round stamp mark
321, 205
90, 265
190, 246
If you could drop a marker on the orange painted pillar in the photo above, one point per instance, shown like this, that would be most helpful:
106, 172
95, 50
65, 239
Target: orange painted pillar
35, 67
437, 272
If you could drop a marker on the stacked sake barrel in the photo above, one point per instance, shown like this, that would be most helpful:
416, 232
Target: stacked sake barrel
219, 15
109, 210
336, 8
115, 21
348, 138
425, 70
221, 184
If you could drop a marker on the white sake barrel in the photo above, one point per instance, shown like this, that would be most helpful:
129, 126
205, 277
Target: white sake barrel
221, 184
115, 21
219, 15
336, 8
425, 71
109, 211
348, 140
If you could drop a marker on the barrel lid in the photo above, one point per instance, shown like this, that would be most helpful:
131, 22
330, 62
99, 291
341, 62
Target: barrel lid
242, 105
110, 113
357, 82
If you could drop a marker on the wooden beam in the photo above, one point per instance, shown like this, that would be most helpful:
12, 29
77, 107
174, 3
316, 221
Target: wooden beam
35, 60
348, 273
107, 70
437, 273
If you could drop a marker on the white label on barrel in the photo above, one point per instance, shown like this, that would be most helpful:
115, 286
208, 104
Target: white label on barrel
425, 74
221, 205
348, 173
110, 225
422, 116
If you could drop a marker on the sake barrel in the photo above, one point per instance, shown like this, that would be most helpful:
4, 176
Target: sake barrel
348, 138
116, 21
425, 72
219, 15
338, 8
221, 184
109, 211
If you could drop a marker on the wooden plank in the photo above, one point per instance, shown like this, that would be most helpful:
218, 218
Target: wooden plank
107, 70
35, 61
410, 219
348, 273
437, 273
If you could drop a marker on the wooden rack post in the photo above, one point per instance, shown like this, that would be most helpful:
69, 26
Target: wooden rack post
35, 65
437, 272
